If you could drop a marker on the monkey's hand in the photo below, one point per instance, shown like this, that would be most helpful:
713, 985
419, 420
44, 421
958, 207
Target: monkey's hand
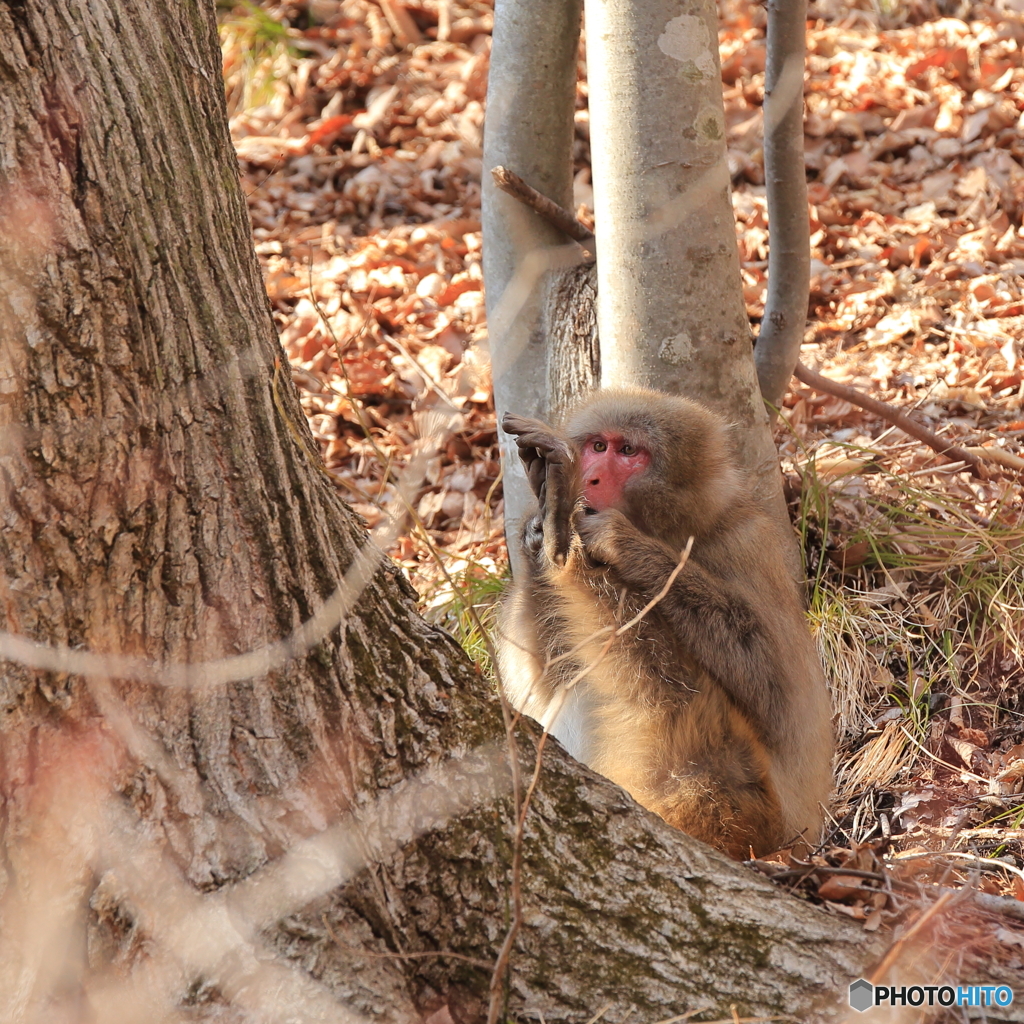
551, 469
606, 536
539, 447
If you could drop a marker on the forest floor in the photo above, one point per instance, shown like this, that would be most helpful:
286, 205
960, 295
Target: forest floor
358, 126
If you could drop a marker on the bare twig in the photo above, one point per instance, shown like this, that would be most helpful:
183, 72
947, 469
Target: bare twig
660, 596
938, 760
989, 902
814, 869
501, 964
359, 951
1000, 457
520, 806
684, 1016
684, 557
999, 904
892, 415
510, 183
986, 863
890, 958
562, 219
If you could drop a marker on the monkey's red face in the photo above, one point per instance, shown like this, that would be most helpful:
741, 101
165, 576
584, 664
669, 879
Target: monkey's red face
607, 463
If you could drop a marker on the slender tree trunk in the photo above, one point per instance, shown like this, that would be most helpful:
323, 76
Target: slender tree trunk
198, 822
789, 253
531, 98
670, 308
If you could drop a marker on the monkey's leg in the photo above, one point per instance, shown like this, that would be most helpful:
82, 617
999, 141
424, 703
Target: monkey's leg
715, 777
551, 469
735, 821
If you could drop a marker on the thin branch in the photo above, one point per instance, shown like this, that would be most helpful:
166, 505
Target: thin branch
1000, 457
684, 557
505, 953
359, 951
807, 872
982, 863
892, 415
501, 964
617, 631
891, 957
510, 183
519, 805
567, 223
587, 669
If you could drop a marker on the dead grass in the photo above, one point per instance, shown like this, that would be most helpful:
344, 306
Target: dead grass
477, 585
257, 56
916, 600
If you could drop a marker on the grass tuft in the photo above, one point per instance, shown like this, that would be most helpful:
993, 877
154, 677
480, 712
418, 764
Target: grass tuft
256, 55
479, 585
916, 596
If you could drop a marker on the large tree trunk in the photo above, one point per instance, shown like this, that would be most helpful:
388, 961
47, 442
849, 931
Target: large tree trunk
198, 820
160, 500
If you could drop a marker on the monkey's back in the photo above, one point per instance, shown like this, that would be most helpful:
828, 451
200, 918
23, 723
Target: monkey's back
796, 723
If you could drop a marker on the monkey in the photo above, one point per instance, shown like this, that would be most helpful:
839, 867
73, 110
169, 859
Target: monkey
712, 709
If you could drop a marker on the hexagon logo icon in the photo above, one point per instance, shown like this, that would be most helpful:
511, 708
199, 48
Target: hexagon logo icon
862, 995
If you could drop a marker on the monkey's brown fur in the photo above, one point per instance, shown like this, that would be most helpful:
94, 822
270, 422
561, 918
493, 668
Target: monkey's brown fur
712, 711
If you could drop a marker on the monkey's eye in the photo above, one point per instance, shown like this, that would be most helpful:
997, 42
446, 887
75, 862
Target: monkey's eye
627, 449
600, 446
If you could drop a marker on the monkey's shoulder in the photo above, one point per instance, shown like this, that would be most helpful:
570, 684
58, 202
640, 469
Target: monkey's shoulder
747, 545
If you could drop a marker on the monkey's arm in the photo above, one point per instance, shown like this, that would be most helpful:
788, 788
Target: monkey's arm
550, 465
719, 626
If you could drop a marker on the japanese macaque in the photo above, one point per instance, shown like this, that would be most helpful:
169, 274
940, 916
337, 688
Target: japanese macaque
712, 709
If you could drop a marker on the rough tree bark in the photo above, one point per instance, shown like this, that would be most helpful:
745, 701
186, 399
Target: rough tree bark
569, 323
327, 837
531, 98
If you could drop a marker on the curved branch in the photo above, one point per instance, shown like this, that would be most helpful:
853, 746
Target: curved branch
907, 424
510, 183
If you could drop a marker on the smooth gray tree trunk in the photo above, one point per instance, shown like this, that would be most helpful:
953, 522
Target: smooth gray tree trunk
531, 99
670, 306
789, 252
